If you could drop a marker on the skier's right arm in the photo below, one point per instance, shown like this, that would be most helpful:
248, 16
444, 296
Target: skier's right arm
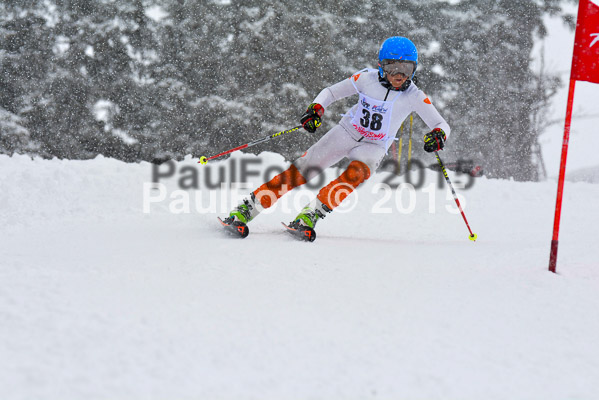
311, 118
336, 92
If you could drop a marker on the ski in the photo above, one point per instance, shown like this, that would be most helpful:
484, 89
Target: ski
235, 228
304, 233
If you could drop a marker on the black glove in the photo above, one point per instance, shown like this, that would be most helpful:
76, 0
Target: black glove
311, 118
434, 140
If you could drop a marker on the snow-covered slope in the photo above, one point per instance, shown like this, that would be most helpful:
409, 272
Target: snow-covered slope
589, 174
100, 300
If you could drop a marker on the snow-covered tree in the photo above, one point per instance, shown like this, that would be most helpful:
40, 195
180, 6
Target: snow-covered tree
147, 80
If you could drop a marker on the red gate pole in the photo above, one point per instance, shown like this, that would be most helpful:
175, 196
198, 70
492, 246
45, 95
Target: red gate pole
562, 175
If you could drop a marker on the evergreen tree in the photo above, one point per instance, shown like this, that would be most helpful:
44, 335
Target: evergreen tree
25, 61
81, 77
489, 90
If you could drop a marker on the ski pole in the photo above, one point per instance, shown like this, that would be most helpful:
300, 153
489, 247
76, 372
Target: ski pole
400, 151
204, 159
472, 236
410, 142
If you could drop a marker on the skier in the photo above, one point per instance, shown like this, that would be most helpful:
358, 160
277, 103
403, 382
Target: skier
386, 97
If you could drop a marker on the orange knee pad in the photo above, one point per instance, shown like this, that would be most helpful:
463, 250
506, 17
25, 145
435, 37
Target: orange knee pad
272, 190
335, 192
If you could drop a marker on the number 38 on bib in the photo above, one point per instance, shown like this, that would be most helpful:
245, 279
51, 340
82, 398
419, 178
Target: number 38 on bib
373, 118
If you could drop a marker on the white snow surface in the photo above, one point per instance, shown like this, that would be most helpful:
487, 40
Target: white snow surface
99, 300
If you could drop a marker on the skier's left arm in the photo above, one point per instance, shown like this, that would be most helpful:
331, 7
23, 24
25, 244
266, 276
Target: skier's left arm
440, 130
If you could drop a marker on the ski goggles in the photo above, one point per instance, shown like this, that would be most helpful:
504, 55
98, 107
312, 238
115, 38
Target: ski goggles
394, 67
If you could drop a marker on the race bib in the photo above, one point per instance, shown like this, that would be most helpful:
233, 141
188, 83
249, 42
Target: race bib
372, 118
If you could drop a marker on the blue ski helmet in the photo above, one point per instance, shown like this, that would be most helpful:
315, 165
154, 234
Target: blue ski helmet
398, 48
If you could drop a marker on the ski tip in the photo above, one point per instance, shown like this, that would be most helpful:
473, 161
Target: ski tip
307, 234
237, 228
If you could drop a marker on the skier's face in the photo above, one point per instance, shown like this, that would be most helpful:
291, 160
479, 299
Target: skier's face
397, 80
398, 71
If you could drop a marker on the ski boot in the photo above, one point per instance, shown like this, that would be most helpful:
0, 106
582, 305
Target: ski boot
236, 222
302, 227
